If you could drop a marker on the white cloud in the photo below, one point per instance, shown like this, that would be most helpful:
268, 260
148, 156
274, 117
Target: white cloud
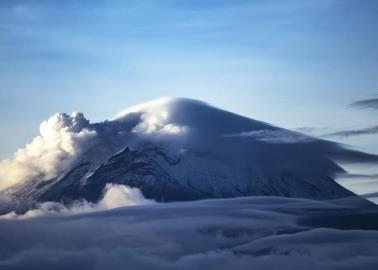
62, 138
65, 139
120, 195
114, 196
155, 117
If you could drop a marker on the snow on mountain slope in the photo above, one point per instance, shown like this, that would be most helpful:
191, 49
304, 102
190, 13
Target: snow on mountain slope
173, 149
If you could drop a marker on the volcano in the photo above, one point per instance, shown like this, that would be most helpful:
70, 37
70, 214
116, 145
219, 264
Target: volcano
174, 149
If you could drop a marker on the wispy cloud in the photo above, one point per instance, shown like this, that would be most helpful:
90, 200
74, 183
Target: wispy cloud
306, 129
360, 176
354, 132
366, 185
274, 136
366, 103
371, 103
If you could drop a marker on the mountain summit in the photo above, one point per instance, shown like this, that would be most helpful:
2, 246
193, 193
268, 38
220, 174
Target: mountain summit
173, 149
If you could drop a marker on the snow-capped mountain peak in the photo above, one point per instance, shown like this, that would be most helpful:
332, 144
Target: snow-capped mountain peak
173, 149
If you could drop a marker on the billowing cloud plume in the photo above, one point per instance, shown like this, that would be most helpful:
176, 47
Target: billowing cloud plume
114, 196
366, 103
65, 139
62, 138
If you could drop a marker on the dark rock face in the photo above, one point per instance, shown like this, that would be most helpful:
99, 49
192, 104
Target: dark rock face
130, 168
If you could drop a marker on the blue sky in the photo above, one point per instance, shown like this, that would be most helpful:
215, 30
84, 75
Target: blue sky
292, 63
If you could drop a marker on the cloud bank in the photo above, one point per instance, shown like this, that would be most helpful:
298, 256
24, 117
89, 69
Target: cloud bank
244, 233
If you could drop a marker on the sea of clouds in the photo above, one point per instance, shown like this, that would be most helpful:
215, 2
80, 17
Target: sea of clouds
241, 233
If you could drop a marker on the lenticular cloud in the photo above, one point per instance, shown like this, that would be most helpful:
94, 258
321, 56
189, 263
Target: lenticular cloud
62, 138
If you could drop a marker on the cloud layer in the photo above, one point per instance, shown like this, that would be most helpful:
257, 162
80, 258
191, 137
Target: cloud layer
258, 233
